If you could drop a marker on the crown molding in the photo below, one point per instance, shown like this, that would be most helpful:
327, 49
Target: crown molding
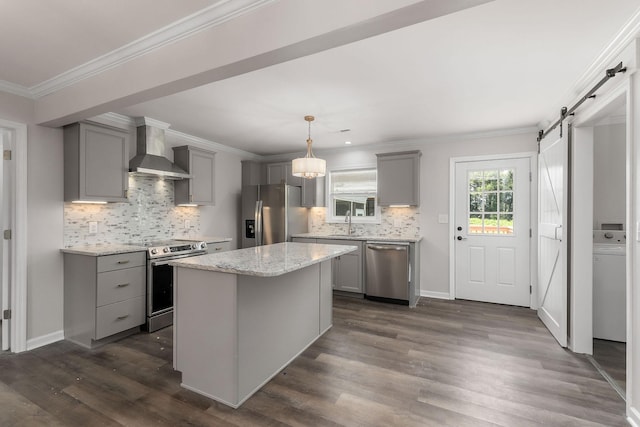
16, 89
129, 123
212, 16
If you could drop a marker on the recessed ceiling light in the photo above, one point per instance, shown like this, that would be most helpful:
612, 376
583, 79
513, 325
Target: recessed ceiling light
347, 143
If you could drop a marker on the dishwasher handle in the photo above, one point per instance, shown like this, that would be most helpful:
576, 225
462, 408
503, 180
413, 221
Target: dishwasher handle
386, 248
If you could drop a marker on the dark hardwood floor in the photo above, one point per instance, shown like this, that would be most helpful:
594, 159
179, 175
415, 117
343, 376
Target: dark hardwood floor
612, 358
444, 363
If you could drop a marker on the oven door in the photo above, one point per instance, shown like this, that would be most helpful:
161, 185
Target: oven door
160, 284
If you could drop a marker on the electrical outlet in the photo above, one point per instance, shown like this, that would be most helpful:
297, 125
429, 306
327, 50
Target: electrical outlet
187, 224
397, 222
93, 227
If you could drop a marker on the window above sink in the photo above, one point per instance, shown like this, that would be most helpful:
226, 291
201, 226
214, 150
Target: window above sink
352, 190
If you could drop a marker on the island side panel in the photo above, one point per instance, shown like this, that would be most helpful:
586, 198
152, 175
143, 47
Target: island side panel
326, 297
278, 317
205, 332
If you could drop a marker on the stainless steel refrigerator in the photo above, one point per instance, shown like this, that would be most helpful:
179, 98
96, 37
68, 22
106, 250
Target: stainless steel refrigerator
271, 214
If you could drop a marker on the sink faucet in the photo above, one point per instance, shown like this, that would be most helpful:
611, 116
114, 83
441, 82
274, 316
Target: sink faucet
347, 219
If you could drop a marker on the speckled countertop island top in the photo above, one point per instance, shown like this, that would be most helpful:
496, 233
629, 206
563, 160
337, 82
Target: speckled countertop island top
361, 237
265, 261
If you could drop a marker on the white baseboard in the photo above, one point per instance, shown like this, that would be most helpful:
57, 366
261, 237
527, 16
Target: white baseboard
432, 294
43, 340
633, 417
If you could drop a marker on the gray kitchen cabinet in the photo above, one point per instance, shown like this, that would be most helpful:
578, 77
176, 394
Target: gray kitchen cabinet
104, 296
200, 164
399, 178
280, 173
214, 248
347, 268
303, 240
96, 163
253, 173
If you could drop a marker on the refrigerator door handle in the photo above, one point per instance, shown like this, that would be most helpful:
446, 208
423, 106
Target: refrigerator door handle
258, 222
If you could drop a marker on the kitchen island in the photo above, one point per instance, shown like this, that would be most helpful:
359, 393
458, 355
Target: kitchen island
242, 316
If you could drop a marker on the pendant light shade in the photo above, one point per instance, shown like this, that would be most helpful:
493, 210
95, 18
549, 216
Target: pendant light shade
309, 166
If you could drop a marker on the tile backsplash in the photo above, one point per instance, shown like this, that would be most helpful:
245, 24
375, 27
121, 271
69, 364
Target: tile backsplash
407, 218
149, 215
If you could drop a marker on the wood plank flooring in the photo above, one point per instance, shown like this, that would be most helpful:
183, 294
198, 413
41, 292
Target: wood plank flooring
612, 357
444, 363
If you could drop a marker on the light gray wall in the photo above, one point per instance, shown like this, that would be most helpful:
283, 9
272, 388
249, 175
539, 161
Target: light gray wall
44, 222
45, 272
434, 189
609, 180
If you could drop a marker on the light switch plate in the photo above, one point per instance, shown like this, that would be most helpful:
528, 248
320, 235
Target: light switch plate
93, 227
443, 219
397, 222
187, 224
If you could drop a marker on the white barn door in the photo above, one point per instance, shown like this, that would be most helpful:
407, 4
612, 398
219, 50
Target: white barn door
552, 225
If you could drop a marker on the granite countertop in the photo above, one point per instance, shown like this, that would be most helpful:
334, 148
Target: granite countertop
362, 237
102, 249
265, 261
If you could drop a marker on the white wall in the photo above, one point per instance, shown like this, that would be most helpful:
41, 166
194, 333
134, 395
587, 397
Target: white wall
609, 175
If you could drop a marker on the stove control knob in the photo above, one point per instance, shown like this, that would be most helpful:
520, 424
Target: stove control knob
194, 246
203, 245
154, 251
165, 250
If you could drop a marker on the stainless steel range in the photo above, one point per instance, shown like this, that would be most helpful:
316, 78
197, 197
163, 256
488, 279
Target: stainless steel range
160, 278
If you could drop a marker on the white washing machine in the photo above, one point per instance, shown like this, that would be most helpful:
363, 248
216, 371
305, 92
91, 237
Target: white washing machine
609, 285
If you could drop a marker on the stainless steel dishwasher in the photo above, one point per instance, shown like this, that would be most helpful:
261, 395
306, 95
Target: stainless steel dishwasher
387, 272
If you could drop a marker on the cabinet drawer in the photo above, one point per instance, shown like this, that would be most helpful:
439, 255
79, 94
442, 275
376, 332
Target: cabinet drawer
356, 243
305, 240
120, 261
119, 285
214, 248
118, 317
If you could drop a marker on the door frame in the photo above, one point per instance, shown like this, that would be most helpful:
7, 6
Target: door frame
581, 329
533, 215
18, 244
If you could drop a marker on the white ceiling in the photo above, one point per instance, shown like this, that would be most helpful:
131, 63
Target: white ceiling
502, 65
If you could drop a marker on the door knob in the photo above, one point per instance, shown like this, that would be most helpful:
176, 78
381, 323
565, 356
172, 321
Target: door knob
459, 228
461, 238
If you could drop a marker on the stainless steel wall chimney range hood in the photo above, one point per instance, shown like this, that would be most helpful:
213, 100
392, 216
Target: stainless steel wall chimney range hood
150, 145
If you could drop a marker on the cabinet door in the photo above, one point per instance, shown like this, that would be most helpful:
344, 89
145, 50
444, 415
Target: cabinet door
399, 179
276, 173
308, 193
103, 164
347, 276
202, 167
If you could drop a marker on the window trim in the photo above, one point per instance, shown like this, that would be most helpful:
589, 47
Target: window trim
329, 214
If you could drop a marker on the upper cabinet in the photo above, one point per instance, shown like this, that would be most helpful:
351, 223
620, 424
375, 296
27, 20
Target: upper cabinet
200, 164
96, 163
253, 173
280, 173
399, 178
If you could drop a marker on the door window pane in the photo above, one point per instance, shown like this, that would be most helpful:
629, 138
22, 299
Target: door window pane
490, 209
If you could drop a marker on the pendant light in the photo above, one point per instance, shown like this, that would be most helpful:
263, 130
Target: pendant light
309, 166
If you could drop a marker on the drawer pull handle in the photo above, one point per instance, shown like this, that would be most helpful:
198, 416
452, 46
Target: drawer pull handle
126, 261
217, 249
122, 317
122, 285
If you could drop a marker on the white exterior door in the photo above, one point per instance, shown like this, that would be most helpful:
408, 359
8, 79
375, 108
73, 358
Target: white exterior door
552, 246
492, 231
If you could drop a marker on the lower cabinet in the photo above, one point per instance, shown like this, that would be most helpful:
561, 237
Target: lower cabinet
214, 248
347, 268
103, 296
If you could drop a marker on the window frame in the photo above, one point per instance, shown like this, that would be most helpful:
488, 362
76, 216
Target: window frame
330, 216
